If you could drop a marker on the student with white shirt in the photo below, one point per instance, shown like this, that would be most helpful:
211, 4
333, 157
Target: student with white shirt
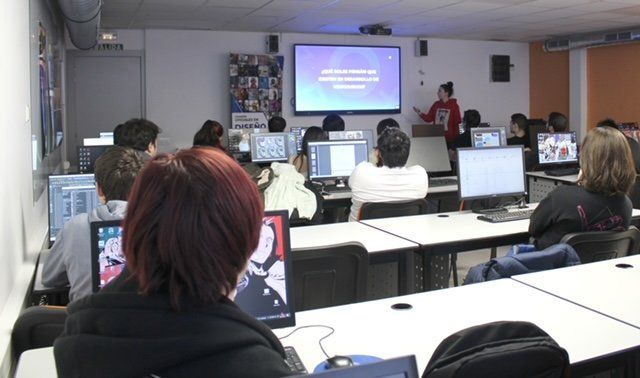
390, 182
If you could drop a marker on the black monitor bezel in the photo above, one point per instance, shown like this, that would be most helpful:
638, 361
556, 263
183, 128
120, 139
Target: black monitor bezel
392, 366
481, 130
252, 146
95, 267
548, 165
104, 148
49, 197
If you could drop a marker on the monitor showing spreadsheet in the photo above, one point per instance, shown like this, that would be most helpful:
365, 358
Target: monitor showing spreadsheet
69, 195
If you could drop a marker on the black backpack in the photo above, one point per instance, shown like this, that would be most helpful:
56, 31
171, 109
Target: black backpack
499, 349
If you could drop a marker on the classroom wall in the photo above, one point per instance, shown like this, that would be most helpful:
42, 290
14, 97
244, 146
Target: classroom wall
548, 82
613, 82
187, 76
23, 224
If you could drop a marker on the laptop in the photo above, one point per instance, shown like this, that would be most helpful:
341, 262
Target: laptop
400, 367
107, 258
427, 130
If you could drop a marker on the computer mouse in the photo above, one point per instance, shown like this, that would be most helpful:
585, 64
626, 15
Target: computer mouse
338, 362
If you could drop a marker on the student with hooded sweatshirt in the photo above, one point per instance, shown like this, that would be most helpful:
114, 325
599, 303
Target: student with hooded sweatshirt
69, 262
444, 111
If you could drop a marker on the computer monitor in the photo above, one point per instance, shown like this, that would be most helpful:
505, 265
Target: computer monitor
266, 290
400, 367
239, 143
354, 134
297, 135
335, 159
87, 156
69, 195
557, 148
269, 147
491, 172
489, 136
430, 153
107, 258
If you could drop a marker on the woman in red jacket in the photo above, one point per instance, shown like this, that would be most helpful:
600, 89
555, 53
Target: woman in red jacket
444, 111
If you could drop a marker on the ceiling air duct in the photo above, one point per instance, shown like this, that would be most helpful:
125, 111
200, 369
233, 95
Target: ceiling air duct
591, 40
82, 18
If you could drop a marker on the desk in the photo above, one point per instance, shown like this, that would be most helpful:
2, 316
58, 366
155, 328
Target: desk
381, 245
373, 328
599, 286
37, 363
540, 184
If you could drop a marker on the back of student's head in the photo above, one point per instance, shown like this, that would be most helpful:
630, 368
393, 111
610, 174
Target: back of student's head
193, 220
386, 123
116, 133
209, 134
608, 122
313, 134
116, 170
333, 122
394, 146
277, 124
558, 122
606, 162
520, 120
471, 119
138, 133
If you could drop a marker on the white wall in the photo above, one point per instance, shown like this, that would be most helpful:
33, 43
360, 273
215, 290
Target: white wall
187, 76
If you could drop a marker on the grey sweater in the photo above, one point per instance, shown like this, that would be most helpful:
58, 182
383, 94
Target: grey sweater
69, 262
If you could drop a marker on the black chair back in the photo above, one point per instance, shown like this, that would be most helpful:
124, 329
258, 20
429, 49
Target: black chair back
604, 245
37, 327
329, 276
374, 210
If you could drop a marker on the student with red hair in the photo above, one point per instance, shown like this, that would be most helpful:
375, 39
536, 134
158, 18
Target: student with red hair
193, 221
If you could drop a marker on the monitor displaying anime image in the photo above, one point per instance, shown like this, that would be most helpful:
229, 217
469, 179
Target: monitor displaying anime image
335, 159
490, 172
488, 137
69, 195
297, 133
557, 148
354, 134
266, 290
268, 147
107, 258
346, 79
87, 156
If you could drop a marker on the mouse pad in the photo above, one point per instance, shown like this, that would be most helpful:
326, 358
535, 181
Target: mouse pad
358, 359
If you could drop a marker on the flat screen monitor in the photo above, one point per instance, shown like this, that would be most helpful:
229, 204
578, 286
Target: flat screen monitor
346, 79
491, 172
297, 134
400, 367
70, 195
335, 159
489, 137
239, 143
430, 153
266, 290
354, 134
107, 258
87, 156
269, 147
557, 148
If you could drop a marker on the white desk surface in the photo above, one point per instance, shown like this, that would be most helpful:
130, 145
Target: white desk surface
335, 233
373, 328
431, 190
540, 174
600, 286
37, 363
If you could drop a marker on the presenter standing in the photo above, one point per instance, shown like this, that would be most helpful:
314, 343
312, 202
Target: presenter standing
444, 111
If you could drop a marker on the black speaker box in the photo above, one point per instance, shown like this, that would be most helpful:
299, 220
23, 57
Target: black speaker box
500, 68
273, 44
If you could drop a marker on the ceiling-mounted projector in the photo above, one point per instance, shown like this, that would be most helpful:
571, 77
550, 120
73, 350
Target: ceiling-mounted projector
374, 30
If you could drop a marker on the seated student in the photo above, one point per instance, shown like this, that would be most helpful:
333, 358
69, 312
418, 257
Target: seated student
299, 161
471, 119
171, 313
599, 202
518, 128
557, 123
391, 182
140, 134
209, 135
69, 262
332, 122
276, 124
633, 144
386, 123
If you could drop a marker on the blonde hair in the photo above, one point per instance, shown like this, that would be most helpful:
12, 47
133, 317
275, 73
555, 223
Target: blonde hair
606, 162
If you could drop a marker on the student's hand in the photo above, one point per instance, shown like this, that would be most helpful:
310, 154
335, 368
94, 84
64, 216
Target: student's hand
416, 110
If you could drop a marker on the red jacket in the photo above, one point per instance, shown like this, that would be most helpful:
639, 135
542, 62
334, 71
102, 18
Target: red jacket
447, 113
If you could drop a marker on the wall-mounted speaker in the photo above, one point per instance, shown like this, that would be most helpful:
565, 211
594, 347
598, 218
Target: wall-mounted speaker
500, 68
273, 44
422, 47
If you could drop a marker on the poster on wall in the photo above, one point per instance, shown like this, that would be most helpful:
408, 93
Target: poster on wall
255, 83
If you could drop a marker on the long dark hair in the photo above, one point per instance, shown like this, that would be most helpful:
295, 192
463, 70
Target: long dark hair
209, 135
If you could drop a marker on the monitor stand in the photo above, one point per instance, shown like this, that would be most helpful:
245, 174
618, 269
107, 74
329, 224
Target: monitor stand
495, 205
340, 183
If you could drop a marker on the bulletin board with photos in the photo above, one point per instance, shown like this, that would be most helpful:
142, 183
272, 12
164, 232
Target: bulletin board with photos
256, 83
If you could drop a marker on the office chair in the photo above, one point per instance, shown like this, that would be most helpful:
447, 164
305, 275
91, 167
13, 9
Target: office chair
604, 245
374, 210
329, 276
37, 327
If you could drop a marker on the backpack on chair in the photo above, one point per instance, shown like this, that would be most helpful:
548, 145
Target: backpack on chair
499, 349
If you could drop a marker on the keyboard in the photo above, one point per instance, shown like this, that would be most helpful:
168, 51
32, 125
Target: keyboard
436, 181
336, 189
562, 172
506, 217
293, 360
